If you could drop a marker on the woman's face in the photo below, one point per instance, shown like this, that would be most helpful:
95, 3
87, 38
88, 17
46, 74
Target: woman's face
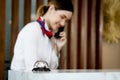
58, 18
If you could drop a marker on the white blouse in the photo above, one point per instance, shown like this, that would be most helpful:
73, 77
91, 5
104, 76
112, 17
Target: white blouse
31, 46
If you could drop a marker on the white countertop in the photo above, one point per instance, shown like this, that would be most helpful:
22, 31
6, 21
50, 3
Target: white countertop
66, 75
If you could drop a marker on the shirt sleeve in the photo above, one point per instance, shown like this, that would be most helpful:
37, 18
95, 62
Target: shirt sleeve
55, 61
30, 45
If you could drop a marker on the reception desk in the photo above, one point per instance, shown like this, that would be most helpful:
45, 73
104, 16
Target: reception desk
65, 75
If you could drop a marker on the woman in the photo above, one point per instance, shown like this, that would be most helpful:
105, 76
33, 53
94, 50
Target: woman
36, 42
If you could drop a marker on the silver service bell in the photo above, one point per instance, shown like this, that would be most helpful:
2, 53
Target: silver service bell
41, 66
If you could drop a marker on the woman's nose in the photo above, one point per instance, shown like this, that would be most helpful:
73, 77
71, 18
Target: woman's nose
63, 23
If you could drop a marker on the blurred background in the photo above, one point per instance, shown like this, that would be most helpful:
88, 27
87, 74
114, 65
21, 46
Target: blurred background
86, 47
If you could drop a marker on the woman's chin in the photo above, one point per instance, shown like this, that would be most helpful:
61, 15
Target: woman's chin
56, 30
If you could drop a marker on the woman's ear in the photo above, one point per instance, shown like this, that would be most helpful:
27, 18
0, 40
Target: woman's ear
52, 7
50, 10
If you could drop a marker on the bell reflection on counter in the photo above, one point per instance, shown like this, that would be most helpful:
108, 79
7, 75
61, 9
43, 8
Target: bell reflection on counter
41, 66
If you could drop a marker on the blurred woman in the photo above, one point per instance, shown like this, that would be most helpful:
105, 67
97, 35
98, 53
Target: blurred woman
37, 41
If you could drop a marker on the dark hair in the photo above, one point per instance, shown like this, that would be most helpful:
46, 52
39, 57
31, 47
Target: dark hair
59, 5
62, 4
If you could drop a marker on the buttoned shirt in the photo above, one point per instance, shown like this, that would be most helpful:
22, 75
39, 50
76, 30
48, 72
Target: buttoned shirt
31, 46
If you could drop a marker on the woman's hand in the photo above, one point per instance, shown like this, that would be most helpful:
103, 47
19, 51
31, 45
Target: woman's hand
60, 42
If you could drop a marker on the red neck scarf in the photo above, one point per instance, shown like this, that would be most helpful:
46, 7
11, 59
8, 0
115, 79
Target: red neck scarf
42, 24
